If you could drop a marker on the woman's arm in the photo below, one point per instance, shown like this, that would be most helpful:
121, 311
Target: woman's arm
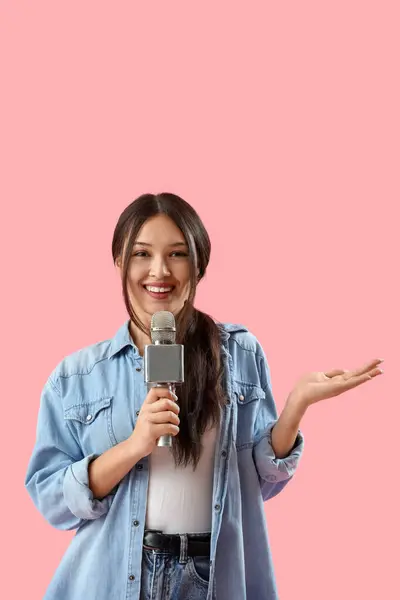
278, 442
106, 471
311, 388
57, 476
286, 429
69, 488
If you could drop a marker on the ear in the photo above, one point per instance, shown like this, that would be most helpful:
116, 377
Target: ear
118, 266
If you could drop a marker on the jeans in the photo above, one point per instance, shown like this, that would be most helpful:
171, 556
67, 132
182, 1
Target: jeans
168, 577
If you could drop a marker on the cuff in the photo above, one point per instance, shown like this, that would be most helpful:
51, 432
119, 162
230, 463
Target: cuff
77, 493
269, 467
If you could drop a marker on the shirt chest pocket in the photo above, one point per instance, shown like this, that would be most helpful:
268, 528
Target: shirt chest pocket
248, 404
91, 424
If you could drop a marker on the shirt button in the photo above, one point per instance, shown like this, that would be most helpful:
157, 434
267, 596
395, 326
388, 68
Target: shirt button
217, 507
137, 413
132, 577
138, 369
241, 398
136, 523
89, 418
224, 453
139, 467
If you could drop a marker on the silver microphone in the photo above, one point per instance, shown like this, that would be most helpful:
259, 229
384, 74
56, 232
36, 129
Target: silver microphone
163, 359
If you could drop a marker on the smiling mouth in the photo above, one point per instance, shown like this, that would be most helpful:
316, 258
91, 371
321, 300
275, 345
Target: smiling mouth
160, 289
159, 292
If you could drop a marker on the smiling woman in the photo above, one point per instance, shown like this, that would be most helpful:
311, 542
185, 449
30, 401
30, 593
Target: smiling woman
158, 522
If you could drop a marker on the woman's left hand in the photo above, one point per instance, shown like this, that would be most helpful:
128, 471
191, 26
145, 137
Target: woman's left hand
317, 386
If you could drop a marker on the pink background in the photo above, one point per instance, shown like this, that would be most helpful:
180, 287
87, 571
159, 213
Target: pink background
279, 122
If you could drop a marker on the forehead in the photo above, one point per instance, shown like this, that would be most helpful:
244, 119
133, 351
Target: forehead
161, 230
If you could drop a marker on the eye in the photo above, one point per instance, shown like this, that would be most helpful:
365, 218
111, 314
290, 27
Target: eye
179, 254
140, 253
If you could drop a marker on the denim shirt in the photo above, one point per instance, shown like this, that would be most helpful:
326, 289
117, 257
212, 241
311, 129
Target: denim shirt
89, 403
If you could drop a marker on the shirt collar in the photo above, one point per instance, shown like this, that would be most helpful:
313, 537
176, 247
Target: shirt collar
121, 340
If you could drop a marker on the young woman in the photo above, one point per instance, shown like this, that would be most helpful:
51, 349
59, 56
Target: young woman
180, 523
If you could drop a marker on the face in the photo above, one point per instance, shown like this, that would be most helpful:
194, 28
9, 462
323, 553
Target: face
159, 269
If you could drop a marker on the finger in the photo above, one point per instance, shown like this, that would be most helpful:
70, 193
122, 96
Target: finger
369, 366
355, 372
342, 386
335, 373
160, 392
166, 416
165, 429
164, 404
356, 381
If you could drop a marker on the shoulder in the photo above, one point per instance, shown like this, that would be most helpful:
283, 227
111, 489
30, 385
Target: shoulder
82, 361
249, 362
241, 336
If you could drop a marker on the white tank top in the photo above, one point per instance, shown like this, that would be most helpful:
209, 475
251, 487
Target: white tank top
180, 499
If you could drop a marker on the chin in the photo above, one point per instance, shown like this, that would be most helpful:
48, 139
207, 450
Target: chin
172, 307
157, 305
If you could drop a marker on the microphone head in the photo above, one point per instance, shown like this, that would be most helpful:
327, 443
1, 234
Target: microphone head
162, 328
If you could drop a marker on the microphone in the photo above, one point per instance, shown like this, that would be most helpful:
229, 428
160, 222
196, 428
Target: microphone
163, 359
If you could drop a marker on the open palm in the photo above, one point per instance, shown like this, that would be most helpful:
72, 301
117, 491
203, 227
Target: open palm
317, 386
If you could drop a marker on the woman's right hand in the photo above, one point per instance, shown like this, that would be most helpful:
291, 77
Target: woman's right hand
158, 416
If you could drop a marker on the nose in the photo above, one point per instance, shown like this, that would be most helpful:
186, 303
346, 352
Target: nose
159, 268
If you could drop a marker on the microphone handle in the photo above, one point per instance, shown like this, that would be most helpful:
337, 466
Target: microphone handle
165, 440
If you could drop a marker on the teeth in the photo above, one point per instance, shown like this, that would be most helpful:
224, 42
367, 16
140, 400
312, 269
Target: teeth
158, 289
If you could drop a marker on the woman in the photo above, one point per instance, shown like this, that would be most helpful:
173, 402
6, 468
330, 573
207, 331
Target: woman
184, 523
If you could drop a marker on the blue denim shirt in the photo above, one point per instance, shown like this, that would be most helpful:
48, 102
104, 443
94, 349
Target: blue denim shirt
90, 403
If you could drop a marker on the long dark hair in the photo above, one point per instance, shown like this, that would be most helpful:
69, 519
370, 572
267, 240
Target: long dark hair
201, 396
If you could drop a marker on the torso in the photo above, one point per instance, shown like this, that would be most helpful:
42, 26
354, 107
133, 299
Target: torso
180, 499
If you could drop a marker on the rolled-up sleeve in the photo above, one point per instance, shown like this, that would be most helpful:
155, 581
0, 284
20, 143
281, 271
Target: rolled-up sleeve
274, 473
57, 478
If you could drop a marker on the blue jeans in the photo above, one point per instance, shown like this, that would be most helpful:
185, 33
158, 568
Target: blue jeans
169, 577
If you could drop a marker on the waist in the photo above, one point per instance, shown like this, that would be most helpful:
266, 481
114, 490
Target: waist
197, 544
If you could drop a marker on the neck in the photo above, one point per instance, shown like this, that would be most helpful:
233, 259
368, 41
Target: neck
138, 337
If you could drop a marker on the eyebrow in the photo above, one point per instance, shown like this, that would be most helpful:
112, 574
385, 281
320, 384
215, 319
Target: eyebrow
174, 245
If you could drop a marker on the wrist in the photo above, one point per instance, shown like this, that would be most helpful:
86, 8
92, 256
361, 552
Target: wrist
131, 451
297, 403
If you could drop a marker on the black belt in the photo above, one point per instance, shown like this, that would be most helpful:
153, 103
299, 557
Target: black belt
198, 545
